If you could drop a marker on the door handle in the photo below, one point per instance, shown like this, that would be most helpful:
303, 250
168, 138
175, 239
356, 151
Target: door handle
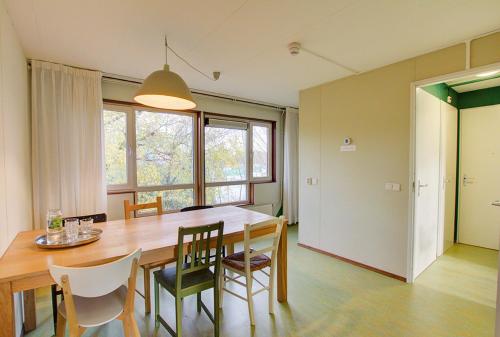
419, 186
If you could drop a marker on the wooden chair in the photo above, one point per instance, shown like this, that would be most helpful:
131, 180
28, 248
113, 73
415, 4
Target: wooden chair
196, 208
245, 263
94, 296
192, 278
55, 290
129, 208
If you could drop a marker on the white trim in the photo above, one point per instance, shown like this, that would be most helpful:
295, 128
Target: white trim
411, 196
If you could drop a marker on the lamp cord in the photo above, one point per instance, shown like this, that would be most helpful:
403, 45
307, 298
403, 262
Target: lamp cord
167, 48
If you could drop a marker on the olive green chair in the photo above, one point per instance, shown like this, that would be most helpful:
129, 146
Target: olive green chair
191, 278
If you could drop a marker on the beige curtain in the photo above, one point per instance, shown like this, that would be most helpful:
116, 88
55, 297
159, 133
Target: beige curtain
67, 141
291, 166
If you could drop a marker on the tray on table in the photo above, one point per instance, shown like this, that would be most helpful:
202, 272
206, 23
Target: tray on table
83, 239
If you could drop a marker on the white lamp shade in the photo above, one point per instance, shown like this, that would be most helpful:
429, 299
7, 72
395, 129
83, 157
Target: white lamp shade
164, 89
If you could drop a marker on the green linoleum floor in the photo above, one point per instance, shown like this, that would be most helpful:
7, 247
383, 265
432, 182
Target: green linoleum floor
454, 297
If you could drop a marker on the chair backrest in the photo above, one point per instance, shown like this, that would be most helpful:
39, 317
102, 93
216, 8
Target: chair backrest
195, 208
129, 208
250, 238
100, 217
200, 249
97, 280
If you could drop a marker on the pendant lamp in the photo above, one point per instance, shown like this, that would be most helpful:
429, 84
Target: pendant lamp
165, 89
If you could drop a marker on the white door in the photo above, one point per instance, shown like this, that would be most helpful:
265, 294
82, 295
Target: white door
447, 189
427, 164
479, 223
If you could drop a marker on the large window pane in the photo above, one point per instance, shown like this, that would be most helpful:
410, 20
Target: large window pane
115, 147
171, 199
225, 194
225, 154
260, 144
164, 148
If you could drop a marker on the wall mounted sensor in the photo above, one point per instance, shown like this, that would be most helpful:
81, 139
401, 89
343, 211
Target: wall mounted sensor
294, 48
347, 141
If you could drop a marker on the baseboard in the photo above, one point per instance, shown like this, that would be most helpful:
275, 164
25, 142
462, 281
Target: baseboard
355, 263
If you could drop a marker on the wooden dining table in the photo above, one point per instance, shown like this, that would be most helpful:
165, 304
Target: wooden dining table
25, 267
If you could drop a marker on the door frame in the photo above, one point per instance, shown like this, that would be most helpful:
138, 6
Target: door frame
412, 167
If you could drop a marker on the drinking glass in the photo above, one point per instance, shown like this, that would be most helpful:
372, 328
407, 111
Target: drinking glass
86, 225
54, 226
71, 227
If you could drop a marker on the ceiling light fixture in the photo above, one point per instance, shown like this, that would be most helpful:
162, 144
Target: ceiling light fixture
165, 89
488, 73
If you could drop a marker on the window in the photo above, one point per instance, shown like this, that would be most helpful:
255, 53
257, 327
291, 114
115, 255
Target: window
225, 164
237, 153
165, 158
162, 158
116, 147
261, 151
153, 152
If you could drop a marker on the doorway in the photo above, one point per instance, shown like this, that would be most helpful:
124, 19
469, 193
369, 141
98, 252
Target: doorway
456, 162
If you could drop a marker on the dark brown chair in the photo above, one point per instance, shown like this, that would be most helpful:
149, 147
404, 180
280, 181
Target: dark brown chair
195, 208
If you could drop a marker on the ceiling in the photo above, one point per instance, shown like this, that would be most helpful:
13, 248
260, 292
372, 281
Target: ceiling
245, 39
471, 83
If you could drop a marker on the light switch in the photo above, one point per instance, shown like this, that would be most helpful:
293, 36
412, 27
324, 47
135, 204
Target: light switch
394, 187
312, 181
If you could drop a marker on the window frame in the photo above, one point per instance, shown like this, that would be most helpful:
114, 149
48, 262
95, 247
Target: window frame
251, 180
132, 185
199, 185
270, 152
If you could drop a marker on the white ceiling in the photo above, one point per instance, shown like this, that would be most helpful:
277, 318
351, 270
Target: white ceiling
471, 83
245, 39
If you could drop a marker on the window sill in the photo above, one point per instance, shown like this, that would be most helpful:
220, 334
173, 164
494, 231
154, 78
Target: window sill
123, 191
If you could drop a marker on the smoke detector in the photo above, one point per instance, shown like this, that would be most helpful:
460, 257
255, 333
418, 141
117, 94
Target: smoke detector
294, 48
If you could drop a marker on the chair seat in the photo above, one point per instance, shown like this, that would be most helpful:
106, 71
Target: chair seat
95, 311
166, 277
237, 261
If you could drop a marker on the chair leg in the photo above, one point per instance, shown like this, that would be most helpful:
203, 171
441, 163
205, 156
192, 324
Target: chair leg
157, 304
61, 325
147, 290
198, 302
126, 326
221, 286
178, 316
54, 304
271, 289
216, 309
249, 298
133, 327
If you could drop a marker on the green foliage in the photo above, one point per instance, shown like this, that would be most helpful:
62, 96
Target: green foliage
164, 157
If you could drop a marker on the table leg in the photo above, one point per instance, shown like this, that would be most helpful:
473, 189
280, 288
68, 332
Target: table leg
230, 248
282, 265
29, 310
7, 320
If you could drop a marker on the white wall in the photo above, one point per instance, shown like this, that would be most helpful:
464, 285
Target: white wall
269, 193
15, 138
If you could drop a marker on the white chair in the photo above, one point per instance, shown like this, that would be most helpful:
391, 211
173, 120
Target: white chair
245, 263
96, 295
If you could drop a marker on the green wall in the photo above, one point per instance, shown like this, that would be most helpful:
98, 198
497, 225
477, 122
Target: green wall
442, 91
477, 98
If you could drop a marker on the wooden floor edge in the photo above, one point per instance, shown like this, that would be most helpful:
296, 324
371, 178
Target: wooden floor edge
355, 263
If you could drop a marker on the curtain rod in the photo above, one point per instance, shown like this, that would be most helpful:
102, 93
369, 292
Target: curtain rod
202, 93
194, 91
